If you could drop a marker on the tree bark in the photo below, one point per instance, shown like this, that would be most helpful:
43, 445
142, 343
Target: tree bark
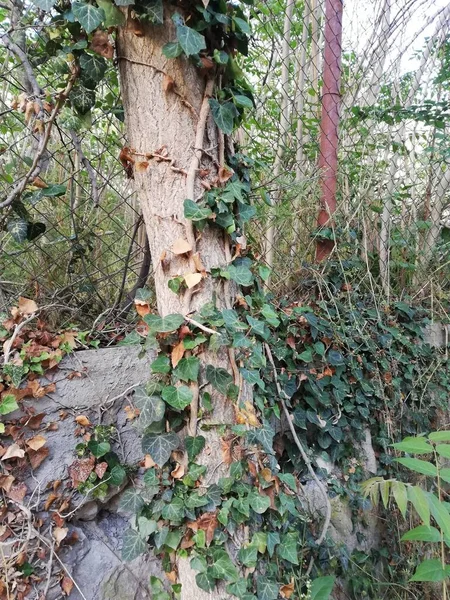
171, 137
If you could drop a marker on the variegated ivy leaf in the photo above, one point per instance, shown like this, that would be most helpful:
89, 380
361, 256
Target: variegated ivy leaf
152, 408
160, 446
131, 501
46, 5
190, 40
18, 229
87, 15
94, 67
133, 545
82, 99
152, 10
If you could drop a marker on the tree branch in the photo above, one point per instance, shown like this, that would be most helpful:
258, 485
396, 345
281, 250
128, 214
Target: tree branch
87, 165
306, 460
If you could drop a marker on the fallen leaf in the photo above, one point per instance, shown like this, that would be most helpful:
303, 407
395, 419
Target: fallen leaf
208, 522
181, 246
287, 589
66, 585
178, 472
69, 337
36, 442
192, 279
101, 45
82, 420
35, 421
6, 482
172, 576
131, 412
226, 445
177, 353
100, 469
59, 533
50, 500
13, 451
36, 457
148, 462
266, 474
27, 306
225, 174
142, 307
17, 491
80, 470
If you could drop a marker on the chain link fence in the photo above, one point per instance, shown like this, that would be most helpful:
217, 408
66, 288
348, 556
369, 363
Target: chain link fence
80, 244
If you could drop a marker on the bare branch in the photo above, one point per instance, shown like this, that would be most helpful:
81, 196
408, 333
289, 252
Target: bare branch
87, 165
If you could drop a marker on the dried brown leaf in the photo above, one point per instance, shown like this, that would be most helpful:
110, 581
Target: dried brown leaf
67, 585
181, 246
80, 470
36, 442
36, 457
192, 279
6, 482
177, 353
82, 420
100, 469
225, 174
178, 472
17, 492
27, 306
100, 43
168, 83
59, 533
13, 451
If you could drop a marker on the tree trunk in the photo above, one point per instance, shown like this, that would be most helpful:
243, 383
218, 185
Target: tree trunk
171, 136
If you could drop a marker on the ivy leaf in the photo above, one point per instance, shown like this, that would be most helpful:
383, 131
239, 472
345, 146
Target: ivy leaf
288, 548
131, 501
267, 590
161, 364
195, 212
178, 397
160, 446
242, 25
190, 40
223, 567
82, 99
46, 5
241, 274
113, 16
194, 445
270, 315
219, 378
243, 101
259, 503
153, 11
94, 66
321, 588
18, 228
205, 581
174, 511
273, 538
223, 115
87, 15
258, 327
8, 405
99, 449
133, 545
118, 475
264, 435
172, 50
187, 369
248, 555
164, 324
152, 408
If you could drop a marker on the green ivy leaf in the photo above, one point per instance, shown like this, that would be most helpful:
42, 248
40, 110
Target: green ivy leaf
87, 15
248, 555
223, 567
8, 404
264, 435
195, 212
82, 99
166, 324
241, 274
161, 364
187, 369
223, 115
194, 445
264, 272
270, 315
152, 10
172, 50
178, 397
205, 581
99, 449
259, 503
174, 511
239, 588
258, 327
267, 589
273, 539
118, 475
289, 480
431, 570
160, 446
219, 378
232, 321
133, 545
321, 588
288, 548
18, 228
94, 67
190, 40
243, 101
242, 25
152, 408
46, 5
146, 527
131, 501
113, 16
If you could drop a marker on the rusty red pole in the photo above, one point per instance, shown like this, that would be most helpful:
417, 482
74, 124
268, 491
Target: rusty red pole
329, 123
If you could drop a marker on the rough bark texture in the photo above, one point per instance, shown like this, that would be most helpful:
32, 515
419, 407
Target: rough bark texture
166, 121
163, 100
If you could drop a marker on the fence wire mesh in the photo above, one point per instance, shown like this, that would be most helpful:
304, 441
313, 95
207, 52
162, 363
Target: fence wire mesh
80, 243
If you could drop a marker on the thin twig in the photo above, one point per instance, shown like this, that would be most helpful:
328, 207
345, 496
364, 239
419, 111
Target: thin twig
9, 343
87, 165
299, 445
202, 327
